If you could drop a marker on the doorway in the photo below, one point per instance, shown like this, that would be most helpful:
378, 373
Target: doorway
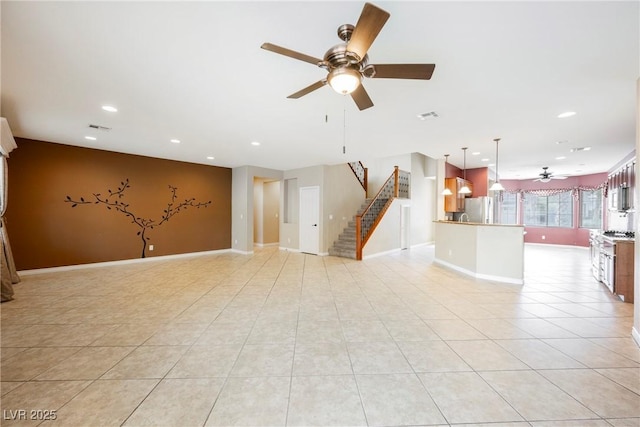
266, 212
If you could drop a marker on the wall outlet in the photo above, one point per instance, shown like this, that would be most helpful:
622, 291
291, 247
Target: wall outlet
150, 247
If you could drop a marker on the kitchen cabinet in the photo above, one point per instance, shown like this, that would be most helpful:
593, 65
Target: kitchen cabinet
624, 269
455, 202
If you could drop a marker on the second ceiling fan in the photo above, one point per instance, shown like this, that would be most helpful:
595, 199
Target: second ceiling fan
348, 62
547, 176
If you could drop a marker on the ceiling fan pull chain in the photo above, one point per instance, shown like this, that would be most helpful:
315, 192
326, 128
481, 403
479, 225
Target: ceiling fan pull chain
344, 125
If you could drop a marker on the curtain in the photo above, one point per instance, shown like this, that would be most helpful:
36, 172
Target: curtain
8, 273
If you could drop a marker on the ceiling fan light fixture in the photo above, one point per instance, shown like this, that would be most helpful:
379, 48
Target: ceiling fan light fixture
344, 80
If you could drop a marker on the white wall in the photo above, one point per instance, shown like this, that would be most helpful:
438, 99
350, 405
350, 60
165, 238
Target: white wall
343, 196
290, 231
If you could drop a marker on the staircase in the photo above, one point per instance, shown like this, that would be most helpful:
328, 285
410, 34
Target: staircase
345, 246
358, 231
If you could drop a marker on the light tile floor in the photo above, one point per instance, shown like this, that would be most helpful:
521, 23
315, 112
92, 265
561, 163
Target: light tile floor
280, 338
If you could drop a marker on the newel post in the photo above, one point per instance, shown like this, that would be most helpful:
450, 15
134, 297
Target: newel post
396, 181
359, 237
366, 179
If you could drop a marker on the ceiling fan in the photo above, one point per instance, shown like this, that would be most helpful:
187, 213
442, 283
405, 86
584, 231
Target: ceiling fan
547, 176
348, 62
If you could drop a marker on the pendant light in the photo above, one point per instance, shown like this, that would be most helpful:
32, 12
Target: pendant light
465, 189
446, 191
496, 185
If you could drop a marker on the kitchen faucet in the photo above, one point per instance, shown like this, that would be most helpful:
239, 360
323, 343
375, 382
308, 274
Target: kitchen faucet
462, 216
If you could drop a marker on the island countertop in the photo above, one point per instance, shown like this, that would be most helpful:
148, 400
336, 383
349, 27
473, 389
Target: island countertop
478, 223
485, 251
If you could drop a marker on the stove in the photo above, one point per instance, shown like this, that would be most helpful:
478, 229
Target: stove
616, 233
619, 236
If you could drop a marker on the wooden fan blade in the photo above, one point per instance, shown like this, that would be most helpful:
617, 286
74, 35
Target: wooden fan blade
308, 89
361, 98
371, 21
403, 71
290, 53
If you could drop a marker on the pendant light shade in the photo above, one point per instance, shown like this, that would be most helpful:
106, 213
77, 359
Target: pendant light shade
446, 191
496, 185
465, 189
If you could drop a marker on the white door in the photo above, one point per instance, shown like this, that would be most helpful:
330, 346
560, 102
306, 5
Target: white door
309, 220
405, 229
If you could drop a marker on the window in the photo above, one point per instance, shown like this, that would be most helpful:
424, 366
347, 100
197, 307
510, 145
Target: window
591, 208
549, 211
509, 208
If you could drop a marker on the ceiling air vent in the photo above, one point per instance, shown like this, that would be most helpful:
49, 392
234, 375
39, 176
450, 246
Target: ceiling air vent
98, 127
429, 115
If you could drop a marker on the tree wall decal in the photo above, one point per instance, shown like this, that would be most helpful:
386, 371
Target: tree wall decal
114, 201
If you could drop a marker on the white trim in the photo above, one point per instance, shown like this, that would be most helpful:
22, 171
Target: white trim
636, 335
238, 251
417, 245
266, 245
489, 277
377, 254
119, 262
323, 254
282, 248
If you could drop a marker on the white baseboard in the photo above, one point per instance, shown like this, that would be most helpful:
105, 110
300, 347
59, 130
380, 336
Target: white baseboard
501, 279
377, 254
119, 262
282, 248
238, 251
266, 245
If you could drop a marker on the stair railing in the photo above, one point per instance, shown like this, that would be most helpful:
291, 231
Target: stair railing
361, 173
397, 185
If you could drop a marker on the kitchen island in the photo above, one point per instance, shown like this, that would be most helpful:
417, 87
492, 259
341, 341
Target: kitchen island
485, 251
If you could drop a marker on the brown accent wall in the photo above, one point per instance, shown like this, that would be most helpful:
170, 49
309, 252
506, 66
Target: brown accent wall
45, 231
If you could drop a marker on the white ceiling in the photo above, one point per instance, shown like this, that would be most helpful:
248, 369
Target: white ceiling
195, 71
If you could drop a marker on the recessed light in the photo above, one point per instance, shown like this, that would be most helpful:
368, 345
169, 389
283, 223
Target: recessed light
175, 141
210, 157
561, 157
90, 138
475, 153
110, 108
484, 160
587, 148
255, 143
566, 114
